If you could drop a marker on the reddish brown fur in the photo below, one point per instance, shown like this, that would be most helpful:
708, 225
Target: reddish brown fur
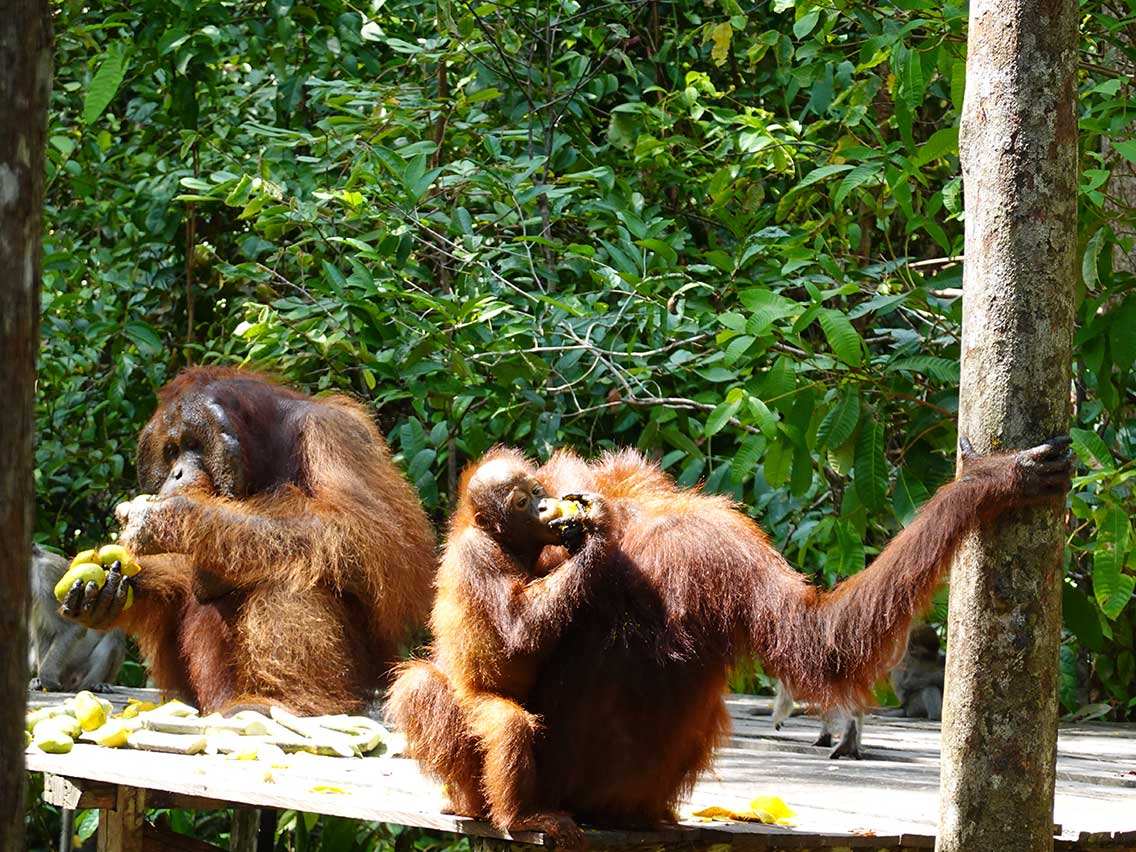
629, 699
296, 590
495, 617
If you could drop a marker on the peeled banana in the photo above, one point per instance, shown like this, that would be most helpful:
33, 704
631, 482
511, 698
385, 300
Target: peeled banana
561, 509
90, 711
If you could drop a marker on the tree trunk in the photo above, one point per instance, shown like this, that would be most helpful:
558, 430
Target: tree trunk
25, 83
1019, 156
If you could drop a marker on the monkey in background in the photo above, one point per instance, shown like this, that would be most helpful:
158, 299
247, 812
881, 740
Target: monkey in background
848, 725
63, 655
918, 679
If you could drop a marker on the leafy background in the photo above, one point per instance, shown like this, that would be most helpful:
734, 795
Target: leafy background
728, 234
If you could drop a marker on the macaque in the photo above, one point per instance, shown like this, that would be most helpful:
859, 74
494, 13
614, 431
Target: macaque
65, 656
918, 679
848, 724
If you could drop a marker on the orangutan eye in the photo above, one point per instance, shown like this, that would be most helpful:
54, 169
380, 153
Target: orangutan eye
522, 502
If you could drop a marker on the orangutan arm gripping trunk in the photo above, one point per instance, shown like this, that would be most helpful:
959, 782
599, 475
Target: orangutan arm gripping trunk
831, 646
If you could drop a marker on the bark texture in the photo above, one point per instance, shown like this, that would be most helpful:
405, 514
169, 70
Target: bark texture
25, 82
1019, 158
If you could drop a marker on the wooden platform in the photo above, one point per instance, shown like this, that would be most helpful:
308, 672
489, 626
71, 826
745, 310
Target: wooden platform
887, 801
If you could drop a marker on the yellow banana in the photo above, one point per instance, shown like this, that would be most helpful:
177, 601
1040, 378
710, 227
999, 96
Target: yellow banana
85, 571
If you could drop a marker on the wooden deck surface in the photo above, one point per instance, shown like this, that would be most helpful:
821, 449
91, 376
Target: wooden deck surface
889, 800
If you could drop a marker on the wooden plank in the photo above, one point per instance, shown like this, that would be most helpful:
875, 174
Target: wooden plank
158, 839
75, 793
243, 830
889, 800
121, 829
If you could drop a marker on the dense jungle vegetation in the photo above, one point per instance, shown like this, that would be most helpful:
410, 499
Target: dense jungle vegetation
726, 233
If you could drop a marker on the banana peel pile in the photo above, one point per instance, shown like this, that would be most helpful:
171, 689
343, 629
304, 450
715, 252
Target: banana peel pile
177, 728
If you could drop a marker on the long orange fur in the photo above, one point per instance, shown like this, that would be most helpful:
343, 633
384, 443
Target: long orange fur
328, 570
626, 707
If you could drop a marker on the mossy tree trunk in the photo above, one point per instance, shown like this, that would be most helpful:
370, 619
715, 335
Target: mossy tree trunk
1018, 145
25, 82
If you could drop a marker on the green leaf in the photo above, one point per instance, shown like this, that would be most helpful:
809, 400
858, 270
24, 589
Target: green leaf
720, 416
850, 549
804, 24
105, 83
778, 462
662, 249
943, 143
144, 337
841, 336
958, 83
746, 458
802, 476
765, 307
1111, 587
1126, 149
854, 179
870, 466
1122, 334
737, 349
765, 418
823, 172
716, 374
909, 495
87, 823
1089, 446
1080, 616
942, 369
840, 422
411, 438
1091, 258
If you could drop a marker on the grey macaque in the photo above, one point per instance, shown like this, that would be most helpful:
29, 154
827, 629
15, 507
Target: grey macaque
850, 725
918, 679
63, 655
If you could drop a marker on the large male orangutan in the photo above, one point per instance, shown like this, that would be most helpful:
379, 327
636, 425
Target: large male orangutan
284, 557
606, 691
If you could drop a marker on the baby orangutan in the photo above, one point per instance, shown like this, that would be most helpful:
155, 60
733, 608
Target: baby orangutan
495, 616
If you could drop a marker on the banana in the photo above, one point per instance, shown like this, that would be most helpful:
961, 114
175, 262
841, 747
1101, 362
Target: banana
113, 734
66, 725
54, 742
109, 553
85, 571
91, 555
89, 710
562, 509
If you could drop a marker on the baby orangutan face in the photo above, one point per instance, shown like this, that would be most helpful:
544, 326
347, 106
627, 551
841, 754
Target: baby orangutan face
511, 505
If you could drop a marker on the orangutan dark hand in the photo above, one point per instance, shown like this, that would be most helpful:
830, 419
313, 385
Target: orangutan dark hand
1030, 477
573, 528
97, 607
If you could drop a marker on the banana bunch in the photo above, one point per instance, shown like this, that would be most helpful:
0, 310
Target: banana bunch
93, 566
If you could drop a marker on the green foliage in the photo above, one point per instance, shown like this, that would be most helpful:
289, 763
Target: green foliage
725, 235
